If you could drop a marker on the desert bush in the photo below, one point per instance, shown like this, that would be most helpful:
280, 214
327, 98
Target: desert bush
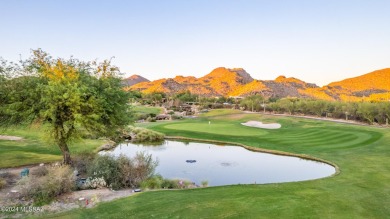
126, 168
169, 184
7, 176
151, 119
3, 183
137, 169
181, 184
177, 117
204, 183
158, 182
144, 167
140, 116
145, 135
152, 115
81, 161
40, 171
154, 182
123, 171
106, 167
58, 180
94, 183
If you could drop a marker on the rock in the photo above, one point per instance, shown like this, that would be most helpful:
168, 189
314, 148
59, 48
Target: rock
42, 164
81, 199
108, 146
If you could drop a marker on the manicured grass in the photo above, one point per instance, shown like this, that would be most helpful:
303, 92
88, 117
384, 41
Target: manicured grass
147, 109
35, 149
361, 190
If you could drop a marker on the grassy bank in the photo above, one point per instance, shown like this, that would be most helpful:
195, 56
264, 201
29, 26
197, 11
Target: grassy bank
35, 149
361, 190
147, 109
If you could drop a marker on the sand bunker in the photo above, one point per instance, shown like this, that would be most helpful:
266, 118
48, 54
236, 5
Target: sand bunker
10, 138
261, 125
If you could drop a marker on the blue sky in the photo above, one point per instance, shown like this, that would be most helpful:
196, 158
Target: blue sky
316, 41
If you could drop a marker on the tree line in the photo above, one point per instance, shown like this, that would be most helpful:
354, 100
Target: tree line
369, 112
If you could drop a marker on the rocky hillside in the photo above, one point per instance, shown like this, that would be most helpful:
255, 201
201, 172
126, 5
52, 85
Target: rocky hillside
219, 82
371, 86
132, 80
237, 82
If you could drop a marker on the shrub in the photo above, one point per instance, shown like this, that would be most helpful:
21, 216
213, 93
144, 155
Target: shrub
81, 162
153, 183
145, 135
94, 183
169, 184
3, 183
177, 117
58, 180
144, 167
204, 183
140, 116
151, 119
8, 177
123, 171
137, 169
158, 182
106, 167
40, 171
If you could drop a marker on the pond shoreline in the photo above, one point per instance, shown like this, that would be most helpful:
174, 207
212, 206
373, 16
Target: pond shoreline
255, 149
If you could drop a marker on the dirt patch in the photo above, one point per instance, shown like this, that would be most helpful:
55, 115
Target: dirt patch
258, 124
10, 138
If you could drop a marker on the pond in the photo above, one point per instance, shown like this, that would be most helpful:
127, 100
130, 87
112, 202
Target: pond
225, 165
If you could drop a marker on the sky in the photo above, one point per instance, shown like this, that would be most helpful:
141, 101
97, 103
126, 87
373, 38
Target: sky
318, 41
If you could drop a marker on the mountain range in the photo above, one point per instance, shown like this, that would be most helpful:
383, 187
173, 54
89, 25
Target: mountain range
237, 82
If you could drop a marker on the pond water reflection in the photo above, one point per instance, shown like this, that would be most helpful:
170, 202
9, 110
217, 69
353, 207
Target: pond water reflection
225, 165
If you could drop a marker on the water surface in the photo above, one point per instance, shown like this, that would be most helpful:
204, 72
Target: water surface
226, 165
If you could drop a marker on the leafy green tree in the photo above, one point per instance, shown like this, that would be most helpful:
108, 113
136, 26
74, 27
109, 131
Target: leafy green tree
287, 105
383, 112
135, 95
252, 102
69, 97
318, 107
367, 111
154, 98
186, 96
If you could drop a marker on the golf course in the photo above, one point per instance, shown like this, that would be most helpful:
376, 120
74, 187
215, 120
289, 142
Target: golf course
360, 190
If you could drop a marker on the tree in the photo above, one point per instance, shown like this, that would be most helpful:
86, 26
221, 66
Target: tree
367, 111
155, 97
186, 96
252, 102
287, 104
69, 97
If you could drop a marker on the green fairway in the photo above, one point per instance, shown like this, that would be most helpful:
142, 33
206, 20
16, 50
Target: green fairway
361, 190
34, 149
217, 128
147, 109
